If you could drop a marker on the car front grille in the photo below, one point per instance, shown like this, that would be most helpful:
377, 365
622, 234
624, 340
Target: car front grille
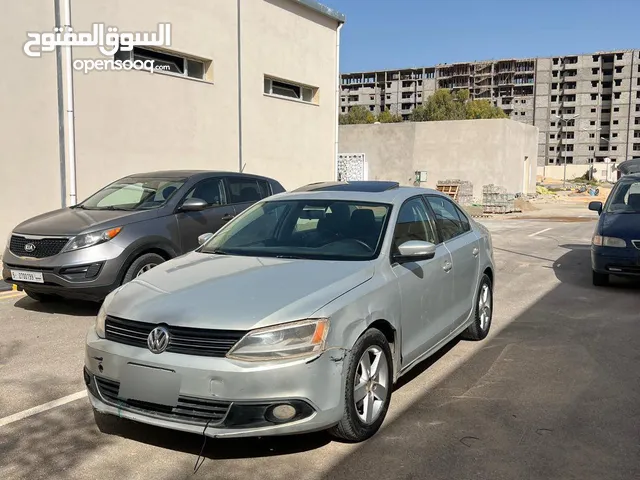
42, 247
189, 409
203, 342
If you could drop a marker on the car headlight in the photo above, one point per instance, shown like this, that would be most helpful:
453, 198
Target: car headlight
102, 313
601, 241
91, 239
291, 340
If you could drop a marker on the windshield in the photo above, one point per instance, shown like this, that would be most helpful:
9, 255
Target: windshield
625, 197
134, 193
309, 229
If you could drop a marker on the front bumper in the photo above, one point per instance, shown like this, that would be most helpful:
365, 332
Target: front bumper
88, 274
616, 261
243, 386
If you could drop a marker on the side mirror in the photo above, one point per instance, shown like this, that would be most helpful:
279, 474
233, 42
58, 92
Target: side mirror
193, 205
415, 250
596, 207
204, 238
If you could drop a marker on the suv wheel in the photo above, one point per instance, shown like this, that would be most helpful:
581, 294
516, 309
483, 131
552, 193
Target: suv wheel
368, 390
40, 297
142, 264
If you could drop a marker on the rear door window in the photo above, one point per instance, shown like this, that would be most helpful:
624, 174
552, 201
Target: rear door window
246, 190
449, 221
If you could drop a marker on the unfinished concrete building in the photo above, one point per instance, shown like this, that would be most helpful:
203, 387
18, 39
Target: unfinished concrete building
587, 107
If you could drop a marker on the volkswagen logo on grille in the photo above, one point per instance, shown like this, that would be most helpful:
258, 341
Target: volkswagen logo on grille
29, 247
158, 340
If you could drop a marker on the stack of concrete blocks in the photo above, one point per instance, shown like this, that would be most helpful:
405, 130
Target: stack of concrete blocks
465, 190
495, 199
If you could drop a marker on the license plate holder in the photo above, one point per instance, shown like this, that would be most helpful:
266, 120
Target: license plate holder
25, 276
149, 384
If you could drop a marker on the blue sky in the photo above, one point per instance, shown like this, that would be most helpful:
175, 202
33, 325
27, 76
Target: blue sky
382, 34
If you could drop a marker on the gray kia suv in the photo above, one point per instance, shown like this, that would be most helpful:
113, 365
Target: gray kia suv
125, 229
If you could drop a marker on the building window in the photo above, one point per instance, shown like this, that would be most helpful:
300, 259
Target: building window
614, 135
616, 95
595, 71
553, 112
619, 69
551, 160
568, 159
554, 98
388, 97
555, 73
614, 147
606, 110
636, 146
617, 82
638, 94
372, 108
618, 56
569, 135
596, 58
593, 110
551, 149
168, 62
523, 101
592, 122
638, 108
594, 96
636, 134
552, 135
616, 109
638, 81
592, 135
591, 148
555, 61
637, 121
344, 109
594, 84
615, 122
606, 97
281, 88
604, 123
553, 124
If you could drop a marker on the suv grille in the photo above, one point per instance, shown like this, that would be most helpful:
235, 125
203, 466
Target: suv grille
203, 342
189, 409
44, 247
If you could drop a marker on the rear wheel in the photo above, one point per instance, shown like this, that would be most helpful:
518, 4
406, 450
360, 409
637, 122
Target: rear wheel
600, 279
142, 264
368, 389
479, 329
40, 297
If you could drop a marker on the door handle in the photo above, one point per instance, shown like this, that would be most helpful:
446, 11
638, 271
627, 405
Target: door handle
227, 217
447, 266
475, 251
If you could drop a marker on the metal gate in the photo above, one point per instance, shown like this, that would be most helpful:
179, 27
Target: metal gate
351, 167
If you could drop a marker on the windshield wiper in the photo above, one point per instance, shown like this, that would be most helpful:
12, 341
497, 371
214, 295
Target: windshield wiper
290, 257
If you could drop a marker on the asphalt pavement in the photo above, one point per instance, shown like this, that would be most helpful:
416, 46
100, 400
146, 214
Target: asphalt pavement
552, 393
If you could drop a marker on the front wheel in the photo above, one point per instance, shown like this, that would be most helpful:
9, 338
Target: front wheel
600, 279
141, 265
369, 382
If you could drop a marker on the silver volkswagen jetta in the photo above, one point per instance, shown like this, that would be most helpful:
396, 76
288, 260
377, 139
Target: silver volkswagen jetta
299, 315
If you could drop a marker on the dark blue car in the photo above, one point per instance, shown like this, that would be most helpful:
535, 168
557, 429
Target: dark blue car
615, 248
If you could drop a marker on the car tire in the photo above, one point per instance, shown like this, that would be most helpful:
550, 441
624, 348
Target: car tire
483, 312
600, 279
371, 347
40, 297
142, 264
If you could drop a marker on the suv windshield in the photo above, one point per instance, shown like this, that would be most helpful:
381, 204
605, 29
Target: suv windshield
625, 197
134, 193
309, 229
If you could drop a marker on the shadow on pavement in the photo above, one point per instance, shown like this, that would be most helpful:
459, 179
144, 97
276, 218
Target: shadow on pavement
552, 395
60, 306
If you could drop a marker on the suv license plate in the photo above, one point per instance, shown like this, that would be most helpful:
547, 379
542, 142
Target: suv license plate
19, 275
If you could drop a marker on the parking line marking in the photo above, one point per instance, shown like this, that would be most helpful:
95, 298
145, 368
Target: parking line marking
42, 408
541, 231
11, 295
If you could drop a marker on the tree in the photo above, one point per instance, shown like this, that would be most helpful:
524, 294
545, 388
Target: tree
442, 105
445, 105
483, 109
357, 114
387, 117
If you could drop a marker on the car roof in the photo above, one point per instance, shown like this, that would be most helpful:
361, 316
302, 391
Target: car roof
356, 186
361, 191
193, 173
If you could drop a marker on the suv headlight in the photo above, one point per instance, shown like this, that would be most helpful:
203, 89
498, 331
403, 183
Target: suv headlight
291, 340
601, 241
91, 239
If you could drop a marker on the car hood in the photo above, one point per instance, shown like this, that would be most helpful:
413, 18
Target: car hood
234, 292
621, 225
73, 221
